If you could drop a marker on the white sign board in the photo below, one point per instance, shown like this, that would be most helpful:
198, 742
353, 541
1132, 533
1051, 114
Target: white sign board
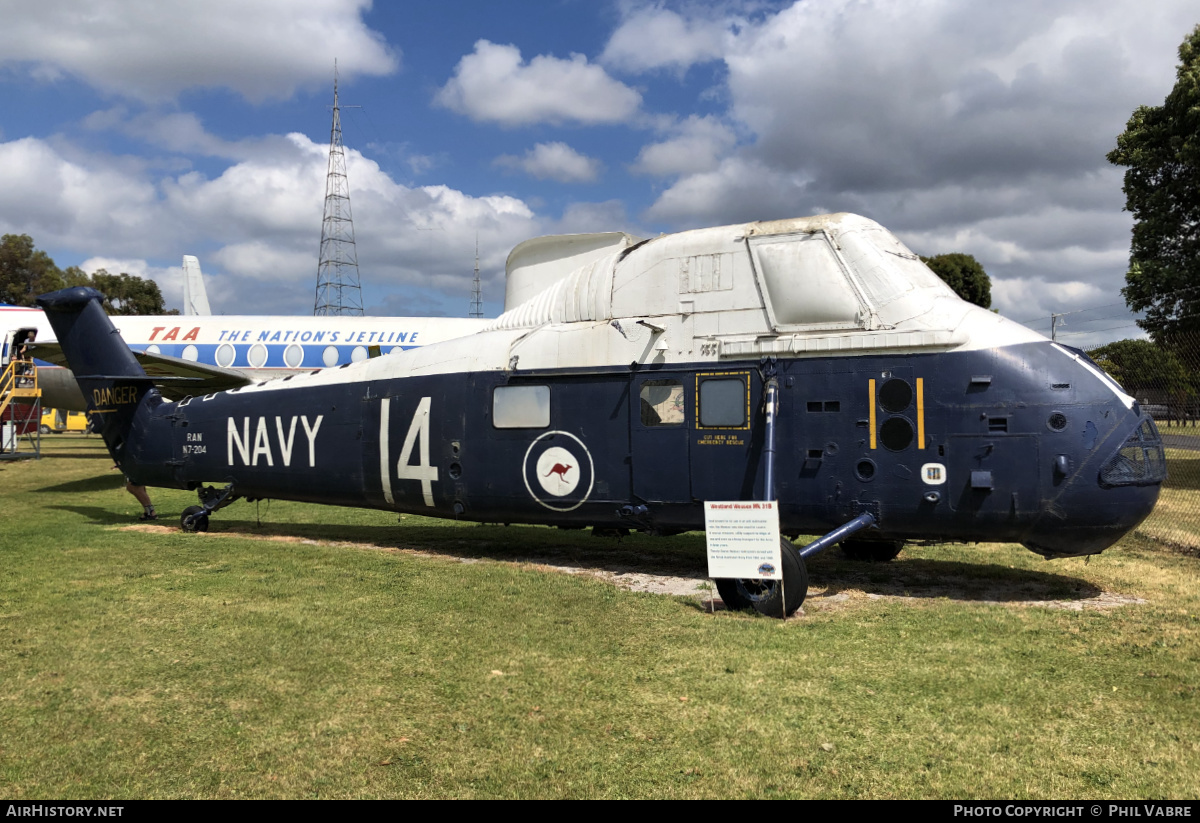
743, 539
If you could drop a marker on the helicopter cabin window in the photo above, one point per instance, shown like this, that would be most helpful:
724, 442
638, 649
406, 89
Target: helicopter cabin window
521, 407
805, 282
723, 402
662, 403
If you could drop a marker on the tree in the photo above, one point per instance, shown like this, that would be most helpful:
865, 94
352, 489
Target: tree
964, 274
1161, 149
25, 272
126, 294
1139, 365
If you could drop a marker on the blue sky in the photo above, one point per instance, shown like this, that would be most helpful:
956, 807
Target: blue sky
132, 133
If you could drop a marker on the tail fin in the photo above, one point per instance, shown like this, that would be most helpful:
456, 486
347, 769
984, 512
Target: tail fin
195, 297
110, 377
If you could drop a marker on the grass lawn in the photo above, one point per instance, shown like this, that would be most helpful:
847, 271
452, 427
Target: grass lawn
351, 655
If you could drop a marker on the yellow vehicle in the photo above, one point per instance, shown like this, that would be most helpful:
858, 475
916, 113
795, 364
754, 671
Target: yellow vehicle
59, 421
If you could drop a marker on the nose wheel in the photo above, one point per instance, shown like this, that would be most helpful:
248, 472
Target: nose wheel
194, 519
767, 597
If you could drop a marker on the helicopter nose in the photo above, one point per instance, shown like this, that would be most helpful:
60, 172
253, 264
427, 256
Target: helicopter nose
1111, 493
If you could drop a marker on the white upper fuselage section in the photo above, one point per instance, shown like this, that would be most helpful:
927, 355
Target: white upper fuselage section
831, 285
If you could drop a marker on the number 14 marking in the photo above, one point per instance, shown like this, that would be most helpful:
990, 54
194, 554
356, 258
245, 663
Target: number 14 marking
417, 429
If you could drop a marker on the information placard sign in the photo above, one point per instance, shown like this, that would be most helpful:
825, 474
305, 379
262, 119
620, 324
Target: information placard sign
743, 539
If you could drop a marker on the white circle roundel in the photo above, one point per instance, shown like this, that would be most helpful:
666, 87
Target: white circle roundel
558, 471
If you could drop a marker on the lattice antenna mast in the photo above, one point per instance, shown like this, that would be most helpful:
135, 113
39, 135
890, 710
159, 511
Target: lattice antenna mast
477, 287
338, 289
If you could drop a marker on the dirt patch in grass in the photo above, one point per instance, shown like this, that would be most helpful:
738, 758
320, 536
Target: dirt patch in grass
695, 584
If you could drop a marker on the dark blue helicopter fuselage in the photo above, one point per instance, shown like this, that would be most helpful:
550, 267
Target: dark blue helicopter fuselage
1026, 443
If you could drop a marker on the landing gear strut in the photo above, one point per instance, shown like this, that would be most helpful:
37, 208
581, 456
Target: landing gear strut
195, 518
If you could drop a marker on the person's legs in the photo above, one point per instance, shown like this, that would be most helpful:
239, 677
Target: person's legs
140, 494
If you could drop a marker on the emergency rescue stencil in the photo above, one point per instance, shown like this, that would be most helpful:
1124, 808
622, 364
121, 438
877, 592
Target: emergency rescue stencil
558, 471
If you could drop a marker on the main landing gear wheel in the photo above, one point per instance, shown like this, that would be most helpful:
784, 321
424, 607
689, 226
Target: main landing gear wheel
766, 596
194, 519
873, 551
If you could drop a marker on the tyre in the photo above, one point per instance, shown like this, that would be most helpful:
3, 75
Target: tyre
872, 551
766, 596
194, 519
44, 429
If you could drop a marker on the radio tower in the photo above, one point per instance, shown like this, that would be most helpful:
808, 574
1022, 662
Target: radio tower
476, 287
338, 290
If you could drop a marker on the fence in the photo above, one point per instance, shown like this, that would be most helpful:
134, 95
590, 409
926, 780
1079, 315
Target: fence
1164, 378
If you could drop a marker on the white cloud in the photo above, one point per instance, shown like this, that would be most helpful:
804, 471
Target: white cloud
585, 218
1028, 299
655, 37
256, 226
697, 145
553, 161
168, 278
494, 84
66, 198
740, 189
962, 126
152, 51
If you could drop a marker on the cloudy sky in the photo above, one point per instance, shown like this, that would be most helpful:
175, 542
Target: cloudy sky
135, 131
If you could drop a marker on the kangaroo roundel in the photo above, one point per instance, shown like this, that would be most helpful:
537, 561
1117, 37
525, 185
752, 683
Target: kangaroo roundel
558, 471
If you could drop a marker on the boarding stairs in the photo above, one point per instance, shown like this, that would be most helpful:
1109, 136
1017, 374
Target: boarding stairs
20, 410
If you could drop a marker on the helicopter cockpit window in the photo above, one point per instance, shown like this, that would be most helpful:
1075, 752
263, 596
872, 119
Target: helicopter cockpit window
806, 284
724, 403
521, 407
662, 403
885, 266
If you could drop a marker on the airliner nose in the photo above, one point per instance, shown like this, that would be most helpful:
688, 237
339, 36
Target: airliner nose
1111, 492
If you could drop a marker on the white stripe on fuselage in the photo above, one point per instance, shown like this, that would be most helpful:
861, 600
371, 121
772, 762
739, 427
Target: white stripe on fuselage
173, 335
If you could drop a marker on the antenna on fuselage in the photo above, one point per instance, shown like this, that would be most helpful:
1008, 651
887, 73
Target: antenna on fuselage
338, 289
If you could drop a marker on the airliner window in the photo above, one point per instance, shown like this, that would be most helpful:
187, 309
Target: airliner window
521, 407
225, 355
662, 403
723, 403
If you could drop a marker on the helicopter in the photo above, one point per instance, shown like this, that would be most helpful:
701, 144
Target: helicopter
815, 361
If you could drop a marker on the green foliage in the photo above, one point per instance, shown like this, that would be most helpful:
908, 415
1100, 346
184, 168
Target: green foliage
1161, 149
126, 294
26, 272
964, 274
1140, 364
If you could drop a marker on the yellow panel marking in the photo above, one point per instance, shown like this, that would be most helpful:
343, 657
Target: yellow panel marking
920, 412
872, 407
